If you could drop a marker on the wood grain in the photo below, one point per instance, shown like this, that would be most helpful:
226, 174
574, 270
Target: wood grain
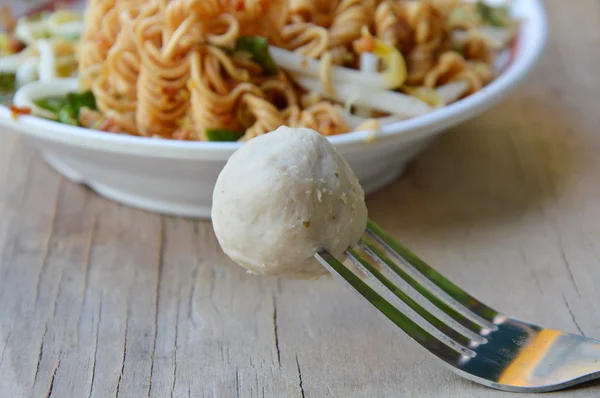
99, 300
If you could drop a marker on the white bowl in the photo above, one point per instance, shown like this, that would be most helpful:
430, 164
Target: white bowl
177, 177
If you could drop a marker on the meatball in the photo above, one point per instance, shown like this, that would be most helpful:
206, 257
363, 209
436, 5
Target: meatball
281, 198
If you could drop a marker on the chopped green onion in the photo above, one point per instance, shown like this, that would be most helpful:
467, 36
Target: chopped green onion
42, 35
52, 104
73, 37
79, 100
258, 47
67, 115
7, 82
66, 108
223, 135
496, 16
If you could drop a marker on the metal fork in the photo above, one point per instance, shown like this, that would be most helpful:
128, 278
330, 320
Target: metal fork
476, 341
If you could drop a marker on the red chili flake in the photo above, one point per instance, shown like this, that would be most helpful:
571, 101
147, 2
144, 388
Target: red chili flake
108, 125
102, 41
364, 44
19, 110
328, 127
239, 5
170, 91
15, 46
182, 135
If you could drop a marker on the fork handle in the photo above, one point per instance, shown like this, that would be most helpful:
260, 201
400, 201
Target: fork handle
553, 356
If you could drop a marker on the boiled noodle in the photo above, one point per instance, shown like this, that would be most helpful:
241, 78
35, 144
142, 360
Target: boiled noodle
227, 70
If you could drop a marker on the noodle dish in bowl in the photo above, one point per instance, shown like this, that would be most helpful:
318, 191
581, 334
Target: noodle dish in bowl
160, 93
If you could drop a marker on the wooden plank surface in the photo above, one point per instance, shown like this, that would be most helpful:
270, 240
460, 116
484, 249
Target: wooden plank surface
99, 300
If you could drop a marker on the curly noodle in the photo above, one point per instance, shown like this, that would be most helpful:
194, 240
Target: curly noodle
175, 69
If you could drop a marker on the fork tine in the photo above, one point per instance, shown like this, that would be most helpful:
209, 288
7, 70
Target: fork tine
415, 291
448, 291
433, 340
402, 276
433, 319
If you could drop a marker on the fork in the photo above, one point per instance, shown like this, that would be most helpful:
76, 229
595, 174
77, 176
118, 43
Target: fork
473, 339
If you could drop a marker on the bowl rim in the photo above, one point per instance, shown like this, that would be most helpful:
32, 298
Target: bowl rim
529, 46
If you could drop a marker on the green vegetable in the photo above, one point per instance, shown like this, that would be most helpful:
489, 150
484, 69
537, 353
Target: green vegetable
51, 104
258, 47
7, 82
222, 135
67, 115
73, 37
495, 16
66, 108
80, 100
42, 34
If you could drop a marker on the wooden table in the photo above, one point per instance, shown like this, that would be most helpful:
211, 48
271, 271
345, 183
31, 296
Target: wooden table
102, 300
